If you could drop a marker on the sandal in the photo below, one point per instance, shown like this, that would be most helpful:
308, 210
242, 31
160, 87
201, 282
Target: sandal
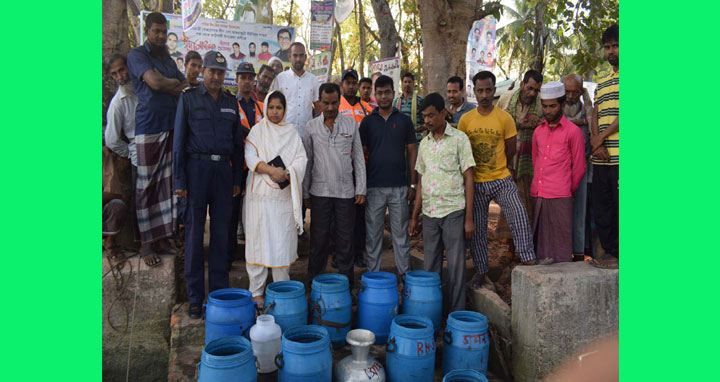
605, 263
116, 254
477, 281
150, 257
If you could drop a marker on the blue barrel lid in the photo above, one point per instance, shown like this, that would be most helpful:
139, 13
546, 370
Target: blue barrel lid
467, 320
424, 278
230, 297
305, 338
285, 289
411, 326
379, 279
330, 282
227, 351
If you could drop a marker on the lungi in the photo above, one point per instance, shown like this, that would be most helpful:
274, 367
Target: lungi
155, 202
552, 228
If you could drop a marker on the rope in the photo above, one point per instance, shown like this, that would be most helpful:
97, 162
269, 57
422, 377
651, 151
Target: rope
137, 287
120, 287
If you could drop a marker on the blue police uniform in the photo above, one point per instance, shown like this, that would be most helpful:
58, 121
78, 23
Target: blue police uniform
207, 162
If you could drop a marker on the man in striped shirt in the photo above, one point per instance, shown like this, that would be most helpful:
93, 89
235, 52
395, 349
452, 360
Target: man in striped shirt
605, 153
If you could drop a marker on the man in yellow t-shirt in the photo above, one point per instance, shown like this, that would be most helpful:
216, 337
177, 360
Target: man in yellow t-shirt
493, 137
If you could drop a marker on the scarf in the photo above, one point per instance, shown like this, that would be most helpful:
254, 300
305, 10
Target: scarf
512, 107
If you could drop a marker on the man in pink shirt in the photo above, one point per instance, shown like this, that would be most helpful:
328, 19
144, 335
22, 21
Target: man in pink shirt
558, 156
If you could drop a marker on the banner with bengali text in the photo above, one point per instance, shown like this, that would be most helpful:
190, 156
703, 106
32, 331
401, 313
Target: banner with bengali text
321, 25
480, 51
390, 67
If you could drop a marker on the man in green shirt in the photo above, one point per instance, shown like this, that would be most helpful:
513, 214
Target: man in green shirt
445, 192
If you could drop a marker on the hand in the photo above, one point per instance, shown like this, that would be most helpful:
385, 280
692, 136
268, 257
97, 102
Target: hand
596, 141
601, 153
236, 191
469, 228
412, 227
450, 110
411, 194
360, 199
277, 174
532, 119
181, 193
307, 202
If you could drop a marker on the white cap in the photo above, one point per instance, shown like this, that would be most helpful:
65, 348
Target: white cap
552, 90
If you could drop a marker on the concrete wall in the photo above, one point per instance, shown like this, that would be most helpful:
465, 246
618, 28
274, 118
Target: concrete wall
556, 310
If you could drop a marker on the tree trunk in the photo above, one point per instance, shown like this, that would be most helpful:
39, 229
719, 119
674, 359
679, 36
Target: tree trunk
540, 38
445, 26
165, 6
363, 37
338, 31
388, 33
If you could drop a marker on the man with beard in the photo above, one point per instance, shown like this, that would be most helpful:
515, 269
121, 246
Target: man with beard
558, 152
172, 42
579, 112
387, 136
119, 138
409, 101
300, 88
366, 92
265, 77
284, 38
193, 66
492, 136
604, 144
457, 105
157, 83
207, 170
332, 144
251, 51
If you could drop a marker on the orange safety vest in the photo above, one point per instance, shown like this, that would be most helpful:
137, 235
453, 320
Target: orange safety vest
357, 112
258, 114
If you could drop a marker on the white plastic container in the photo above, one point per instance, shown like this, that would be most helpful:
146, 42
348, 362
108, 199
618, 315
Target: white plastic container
266, 337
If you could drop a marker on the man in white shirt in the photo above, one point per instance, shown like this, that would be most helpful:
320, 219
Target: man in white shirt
300, 88
120, 130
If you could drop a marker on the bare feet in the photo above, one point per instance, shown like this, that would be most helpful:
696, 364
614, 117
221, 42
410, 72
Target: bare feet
259, 301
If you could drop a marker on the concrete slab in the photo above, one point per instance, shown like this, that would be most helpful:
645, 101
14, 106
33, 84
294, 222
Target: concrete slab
558, 309
151, 332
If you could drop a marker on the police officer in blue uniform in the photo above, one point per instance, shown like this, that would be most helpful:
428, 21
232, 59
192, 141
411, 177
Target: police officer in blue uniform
208, 171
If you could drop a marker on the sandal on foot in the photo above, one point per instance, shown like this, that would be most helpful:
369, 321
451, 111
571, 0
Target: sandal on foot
150, 257
605, 263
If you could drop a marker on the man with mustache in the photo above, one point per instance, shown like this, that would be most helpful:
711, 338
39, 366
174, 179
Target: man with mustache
157, 83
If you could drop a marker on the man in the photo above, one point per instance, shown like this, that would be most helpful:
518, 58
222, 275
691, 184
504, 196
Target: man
236, 54
114, 210
193, 66
180, 63
334, 151
264, 55
492, 136
354, 107
207, 170
605, 143
445, 192
250, 113
120, 130
350, 104
251, 51
579, 113
172, 42
265, 77
408, 103
374, 78
300, 88
558, 152
524, 107
386, 134
457, 105
284, 40
476, 35
366, 92
157, 83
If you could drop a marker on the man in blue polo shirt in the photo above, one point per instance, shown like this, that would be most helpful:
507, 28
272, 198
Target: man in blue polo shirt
157, 83
385, 133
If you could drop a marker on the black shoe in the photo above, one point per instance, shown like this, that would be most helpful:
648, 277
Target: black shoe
195, 311
303, 236
334, 263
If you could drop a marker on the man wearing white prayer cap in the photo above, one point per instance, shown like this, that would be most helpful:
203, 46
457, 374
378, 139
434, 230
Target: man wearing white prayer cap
558, 156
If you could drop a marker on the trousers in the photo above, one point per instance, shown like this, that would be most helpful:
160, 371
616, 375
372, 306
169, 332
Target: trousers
341, 212
395, 200
446, 235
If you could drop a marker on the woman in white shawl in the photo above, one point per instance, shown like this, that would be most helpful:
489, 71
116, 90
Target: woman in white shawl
272, 216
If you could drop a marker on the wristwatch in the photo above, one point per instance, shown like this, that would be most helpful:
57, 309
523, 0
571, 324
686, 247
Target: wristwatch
413, 186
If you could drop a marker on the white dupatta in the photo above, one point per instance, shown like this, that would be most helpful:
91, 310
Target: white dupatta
273, 139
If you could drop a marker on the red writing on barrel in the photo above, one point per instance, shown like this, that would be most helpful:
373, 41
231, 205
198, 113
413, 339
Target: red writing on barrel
406, 293
373, 370
424, 347
475, 339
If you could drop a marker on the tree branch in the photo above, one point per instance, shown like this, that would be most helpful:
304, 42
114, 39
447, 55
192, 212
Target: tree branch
374, 36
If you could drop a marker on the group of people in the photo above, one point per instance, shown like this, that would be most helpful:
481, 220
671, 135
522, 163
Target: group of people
285, 143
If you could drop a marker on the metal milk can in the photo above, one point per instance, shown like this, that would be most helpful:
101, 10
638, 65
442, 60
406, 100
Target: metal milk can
359, 367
